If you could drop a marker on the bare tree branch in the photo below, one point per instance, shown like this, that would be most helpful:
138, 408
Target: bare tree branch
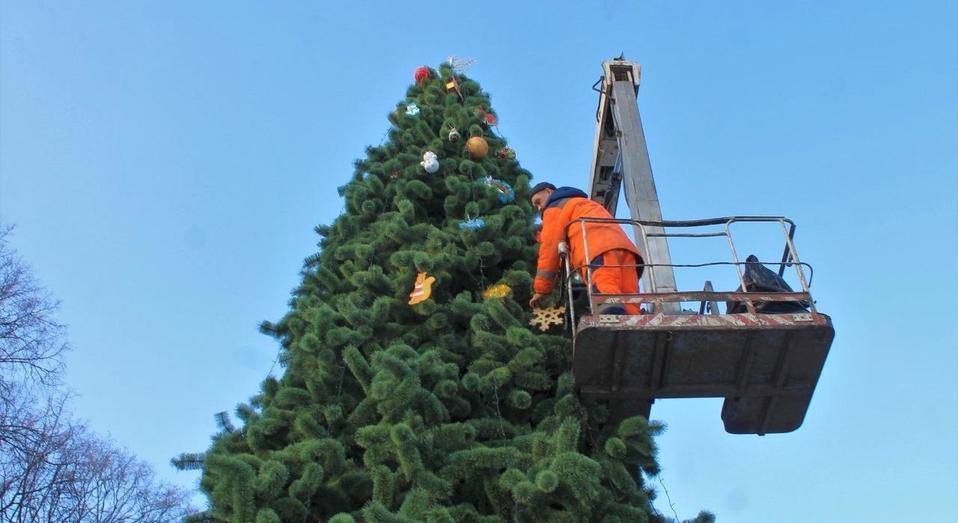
31, 342
52, 467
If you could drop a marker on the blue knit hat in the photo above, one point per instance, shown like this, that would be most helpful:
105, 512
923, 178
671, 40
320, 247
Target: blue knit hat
541, 186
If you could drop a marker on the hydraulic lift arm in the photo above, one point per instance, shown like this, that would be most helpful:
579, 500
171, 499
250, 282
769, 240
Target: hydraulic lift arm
620, 157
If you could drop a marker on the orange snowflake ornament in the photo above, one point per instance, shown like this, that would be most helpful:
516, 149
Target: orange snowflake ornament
546, 318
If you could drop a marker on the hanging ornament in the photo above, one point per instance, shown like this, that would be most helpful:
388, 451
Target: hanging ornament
506, 154
486, 118
454, 135
473, 224
506, 194
422, 290
394, 174
412, 109
477, 147
430, 162
500, 290
545, 318
421, 75
452, 86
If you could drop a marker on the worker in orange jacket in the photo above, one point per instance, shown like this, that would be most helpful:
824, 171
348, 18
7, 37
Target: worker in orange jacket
616, 262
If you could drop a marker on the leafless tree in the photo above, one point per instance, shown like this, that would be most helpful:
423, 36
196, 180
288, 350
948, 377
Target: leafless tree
52, 467
31, 342
34, 434
56, 470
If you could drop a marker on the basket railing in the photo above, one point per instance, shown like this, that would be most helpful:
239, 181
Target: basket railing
708, 297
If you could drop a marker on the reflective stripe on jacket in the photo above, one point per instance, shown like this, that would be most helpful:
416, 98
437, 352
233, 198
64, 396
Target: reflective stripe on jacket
565, 206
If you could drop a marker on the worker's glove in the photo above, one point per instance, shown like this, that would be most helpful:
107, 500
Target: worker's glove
536, 300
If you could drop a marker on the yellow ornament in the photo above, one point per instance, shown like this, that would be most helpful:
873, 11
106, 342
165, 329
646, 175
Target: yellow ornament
477, 147
422, 290
497, 291
545, 318
452, 85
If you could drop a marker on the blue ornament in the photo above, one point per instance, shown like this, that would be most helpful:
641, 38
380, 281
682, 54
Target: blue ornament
473, 224
506, 194
412, 109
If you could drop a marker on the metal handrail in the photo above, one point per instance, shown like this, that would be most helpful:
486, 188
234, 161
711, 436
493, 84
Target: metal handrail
789, 258
811, 270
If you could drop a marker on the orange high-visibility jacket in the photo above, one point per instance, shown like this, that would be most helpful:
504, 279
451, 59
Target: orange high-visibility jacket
565, 206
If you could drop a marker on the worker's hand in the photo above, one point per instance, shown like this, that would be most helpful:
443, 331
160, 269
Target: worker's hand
536, 300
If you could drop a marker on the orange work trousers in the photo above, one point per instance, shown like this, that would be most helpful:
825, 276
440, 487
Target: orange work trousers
616, 272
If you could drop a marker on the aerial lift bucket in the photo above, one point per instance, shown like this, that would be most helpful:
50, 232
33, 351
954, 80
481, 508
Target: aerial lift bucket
765, 361
765, 365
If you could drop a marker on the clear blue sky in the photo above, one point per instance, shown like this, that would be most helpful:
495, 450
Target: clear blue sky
165, 163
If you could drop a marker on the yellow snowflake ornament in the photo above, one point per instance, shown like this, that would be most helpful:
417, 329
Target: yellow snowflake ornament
545, 318
423, 288
497, 291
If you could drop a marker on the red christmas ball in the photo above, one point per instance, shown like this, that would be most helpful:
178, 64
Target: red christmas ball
421, 74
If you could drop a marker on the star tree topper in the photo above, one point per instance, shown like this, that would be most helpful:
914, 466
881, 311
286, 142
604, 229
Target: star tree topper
461, 65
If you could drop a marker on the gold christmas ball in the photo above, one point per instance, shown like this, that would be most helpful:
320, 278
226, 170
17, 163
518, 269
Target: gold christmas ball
477, 147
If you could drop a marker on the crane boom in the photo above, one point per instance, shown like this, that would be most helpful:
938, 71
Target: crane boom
621, 157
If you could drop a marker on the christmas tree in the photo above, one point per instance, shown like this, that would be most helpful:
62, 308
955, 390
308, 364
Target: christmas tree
414, 389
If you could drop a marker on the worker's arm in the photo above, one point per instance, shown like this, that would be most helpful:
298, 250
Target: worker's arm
547, 268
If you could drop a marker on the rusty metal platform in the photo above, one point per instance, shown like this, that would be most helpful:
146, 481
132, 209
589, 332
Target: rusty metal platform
766, 366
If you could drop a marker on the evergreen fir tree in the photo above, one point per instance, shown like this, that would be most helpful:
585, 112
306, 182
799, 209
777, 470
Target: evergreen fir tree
447, 410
